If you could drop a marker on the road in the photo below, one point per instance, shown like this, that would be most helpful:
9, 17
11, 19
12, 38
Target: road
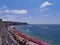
6, 37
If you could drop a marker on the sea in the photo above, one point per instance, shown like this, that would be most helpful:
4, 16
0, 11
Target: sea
49, 33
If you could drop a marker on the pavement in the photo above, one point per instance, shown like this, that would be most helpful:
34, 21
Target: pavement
0, 38
0, 41
6, 39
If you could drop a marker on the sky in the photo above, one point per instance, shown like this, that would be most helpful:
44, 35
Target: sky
31, 11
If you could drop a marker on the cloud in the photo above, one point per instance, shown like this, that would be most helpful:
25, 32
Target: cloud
43, 9
45, 15
5, 10
45, 4
30, 17
11, 14
9, 18
5, 7
16, 11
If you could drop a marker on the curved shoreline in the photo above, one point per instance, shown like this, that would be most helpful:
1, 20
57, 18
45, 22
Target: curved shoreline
28, 37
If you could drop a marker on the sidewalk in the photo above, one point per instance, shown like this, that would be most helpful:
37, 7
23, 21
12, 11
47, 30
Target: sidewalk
0, 40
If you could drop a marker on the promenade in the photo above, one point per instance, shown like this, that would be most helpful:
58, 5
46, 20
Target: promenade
0, 40
5, 38
0, 36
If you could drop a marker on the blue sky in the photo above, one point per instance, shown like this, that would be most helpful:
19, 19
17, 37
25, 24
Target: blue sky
31, 11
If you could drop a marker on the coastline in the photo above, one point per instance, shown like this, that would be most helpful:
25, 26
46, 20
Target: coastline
27, 37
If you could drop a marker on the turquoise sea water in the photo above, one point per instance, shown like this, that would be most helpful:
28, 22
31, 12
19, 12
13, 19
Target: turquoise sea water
45, 33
